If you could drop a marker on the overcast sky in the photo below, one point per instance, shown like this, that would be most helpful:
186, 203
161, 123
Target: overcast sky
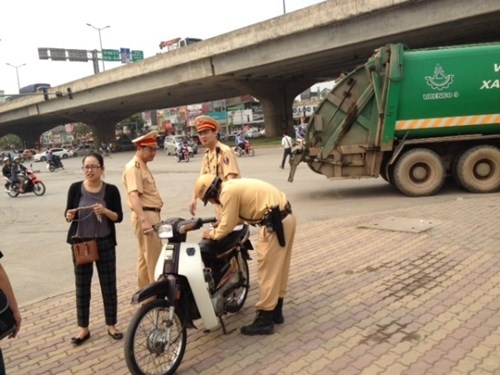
26, 25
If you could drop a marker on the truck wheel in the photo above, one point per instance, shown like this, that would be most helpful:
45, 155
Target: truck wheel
478, 169
419, 172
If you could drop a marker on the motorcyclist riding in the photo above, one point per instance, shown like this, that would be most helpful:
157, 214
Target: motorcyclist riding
18, 173
241, 141
7, 163
181, 148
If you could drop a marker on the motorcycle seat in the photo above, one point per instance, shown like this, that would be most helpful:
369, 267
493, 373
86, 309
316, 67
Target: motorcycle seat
214, 247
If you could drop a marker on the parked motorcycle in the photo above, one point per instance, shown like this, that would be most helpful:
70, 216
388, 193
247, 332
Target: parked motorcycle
247, 150
32, 184
54, 164
186, 289
183, 155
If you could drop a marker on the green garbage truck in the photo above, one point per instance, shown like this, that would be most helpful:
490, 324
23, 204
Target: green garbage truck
413, 117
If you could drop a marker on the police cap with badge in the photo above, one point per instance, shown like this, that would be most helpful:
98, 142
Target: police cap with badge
147, 140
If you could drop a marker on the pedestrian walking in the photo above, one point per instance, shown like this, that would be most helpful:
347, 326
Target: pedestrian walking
219, 158
92, 209
259, 203
144, 200
286, 143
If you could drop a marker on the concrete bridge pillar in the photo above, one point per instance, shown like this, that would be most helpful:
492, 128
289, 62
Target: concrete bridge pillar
277, 102
103, 130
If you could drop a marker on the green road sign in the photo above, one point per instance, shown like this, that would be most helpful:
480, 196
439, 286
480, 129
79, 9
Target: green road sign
137, 55
111, 55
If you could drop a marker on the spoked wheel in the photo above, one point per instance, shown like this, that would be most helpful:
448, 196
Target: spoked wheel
237, 297
154, 344
419, 172
478, 169
39, 188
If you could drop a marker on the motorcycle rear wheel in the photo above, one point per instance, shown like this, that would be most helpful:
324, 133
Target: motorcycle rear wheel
236, 299
147, 349
39, 188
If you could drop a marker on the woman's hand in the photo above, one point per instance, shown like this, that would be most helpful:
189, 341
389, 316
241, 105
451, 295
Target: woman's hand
70, 214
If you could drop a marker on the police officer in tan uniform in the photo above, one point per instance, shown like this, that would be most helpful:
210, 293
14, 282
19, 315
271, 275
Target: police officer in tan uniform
260, 203
145, 202
219, 158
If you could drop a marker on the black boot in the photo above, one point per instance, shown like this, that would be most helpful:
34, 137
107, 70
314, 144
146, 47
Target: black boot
278, 312
262, 325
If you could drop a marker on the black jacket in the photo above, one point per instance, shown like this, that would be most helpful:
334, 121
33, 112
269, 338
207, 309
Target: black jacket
111, 197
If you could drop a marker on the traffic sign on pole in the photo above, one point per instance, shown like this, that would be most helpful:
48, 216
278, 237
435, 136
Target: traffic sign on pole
125, 55
137, 55
111, 55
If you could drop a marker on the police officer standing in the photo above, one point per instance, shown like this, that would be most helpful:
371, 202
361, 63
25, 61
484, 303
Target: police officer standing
144, 200
219, 159
260, 203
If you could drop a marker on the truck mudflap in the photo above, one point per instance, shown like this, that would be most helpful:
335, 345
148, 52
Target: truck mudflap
298, 156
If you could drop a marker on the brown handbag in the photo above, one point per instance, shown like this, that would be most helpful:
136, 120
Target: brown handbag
85, 251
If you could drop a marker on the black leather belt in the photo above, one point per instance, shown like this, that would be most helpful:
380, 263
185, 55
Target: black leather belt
151, 209
286, 211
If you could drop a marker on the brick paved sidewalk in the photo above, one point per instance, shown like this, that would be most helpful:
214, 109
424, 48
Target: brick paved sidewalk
360, 301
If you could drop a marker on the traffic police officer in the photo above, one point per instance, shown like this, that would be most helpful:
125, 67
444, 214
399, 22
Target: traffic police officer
145, 202
219, 158
260, 203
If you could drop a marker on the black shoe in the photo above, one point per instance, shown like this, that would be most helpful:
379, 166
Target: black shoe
116, 335
80, 340
278, 312
262, 325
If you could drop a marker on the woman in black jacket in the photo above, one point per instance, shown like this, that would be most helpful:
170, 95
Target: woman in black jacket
93, 207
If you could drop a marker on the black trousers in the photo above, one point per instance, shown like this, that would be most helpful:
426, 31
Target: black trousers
106, 270
286, 152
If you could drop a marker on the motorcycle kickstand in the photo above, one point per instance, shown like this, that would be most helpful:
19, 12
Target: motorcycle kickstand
224, 330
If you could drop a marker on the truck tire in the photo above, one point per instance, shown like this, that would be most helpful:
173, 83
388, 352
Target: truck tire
419, 172
478, 169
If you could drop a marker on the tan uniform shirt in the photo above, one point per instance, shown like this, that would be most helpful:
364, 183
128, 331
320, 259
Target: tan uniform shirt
138, 177
245, 199
222, 163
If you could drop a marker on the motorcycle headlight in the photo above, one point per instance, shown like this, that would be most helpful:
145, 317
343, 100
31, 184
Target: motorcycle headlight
165, 231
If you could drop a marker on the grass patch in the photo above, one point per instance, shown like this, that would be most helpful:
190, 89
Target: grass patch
265, 141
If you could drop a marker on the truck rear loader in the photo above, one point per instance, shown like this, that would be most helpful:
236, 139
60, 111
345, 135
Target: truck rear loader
412, 117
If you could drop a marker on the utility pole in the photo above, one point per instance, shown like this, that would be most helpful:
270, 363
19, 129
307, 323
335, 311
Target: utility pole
99, 29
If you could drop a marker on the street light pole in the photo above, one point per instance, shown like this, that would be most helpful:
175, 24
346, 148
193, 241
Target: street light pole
17, 73
99, 29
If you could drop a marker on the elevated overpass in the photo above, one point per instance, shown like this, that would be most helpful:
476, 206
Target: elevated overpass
274, 61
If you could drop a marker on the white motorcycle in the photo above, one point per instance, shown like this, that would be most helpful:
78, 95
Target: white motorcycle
194, 281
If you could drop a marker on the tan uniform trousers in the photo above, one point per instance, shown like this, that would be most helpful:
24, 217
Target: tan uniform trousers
273, 264
149, 249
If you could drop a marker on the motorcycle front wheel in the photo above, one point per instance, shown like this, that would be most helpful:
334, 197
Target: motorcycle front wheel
154, 344
251, 152
237, 297
13, 192
52, 168
39, 188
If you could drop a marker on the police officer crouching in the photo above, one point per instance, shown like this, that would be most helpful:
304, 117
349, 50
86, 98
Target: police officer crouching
258, 203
